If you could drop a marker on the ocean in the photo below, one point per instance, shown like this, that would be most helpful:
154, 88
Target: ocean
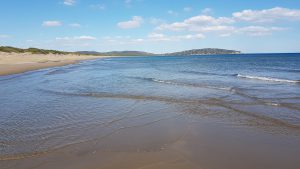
242, 110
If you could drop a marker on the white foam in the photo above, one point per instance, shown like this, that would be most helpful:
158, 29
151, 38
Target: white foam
268, 79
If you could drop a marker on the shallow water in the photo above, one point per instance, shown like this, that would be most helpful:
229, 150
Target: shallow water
215, 105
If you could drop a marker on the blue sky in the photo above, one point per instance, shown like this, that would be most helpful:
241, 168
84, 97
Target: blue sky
151, 25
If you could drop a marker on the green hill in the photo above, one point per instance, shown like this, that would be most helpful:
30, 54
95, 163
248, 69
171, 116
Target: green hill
9, 49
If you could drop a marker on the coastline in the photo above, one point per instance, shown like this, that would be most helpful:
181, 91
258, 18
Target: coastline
14, 63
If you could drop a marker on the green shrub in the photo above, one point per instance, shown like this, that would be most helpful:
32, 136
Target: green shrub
9, 49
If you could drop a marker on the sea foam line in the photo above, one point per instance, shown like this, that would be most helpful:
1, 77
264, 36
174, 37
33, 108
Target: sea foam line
270, 79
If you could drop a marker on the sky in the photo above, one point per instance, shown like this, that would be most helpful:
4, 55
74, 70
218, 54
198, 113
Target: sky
159, 26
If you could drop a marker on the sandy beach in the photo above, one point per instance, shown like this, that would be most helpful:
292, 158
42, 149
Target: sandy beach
144, 84
12, 63
151, 113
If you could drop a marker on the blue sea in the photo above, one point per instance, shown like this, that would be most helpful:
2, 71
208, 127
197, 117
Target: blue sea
149, 101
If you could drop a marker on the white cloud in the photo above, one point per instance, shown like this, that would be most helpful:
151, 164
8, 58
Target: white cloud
171, 12
122, 40
205, 19
128, 3
75, 25
207, 22
139, 40
196, 23
77, 38
225, 35
226, 31
156, 21
69, 2
259, 30
187, 9
177, 26
151, 38
158, 37
163, 37
267, 15
206, 11
189, 36
100, 7
85, 38
51, 23
214, 28
135, 22
116, 37
228, 26
4, 36
80, 41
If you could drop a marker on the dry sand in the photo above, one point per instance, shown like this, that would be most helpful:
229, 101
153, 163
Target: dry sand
12, 63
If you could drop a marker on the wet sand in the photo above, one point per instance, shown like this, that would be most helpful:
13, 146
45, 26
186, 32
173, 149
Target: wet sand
155, 135
12, 63
197, 145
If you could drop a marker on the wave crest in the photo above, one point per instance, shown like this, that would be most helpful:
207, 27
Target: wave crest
270, 79
176, 83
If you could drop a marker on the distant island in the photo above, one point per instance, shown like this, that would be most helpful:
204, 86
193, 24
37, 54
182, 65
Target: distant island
205, 51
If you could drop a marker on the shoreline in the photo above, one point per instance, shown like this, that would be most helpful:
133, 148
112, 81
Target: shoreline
26, 67
15, 63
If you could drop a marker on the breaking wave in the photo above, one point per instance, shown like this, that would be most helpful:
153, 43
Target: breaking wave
208, 73
270, 79
173, 82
